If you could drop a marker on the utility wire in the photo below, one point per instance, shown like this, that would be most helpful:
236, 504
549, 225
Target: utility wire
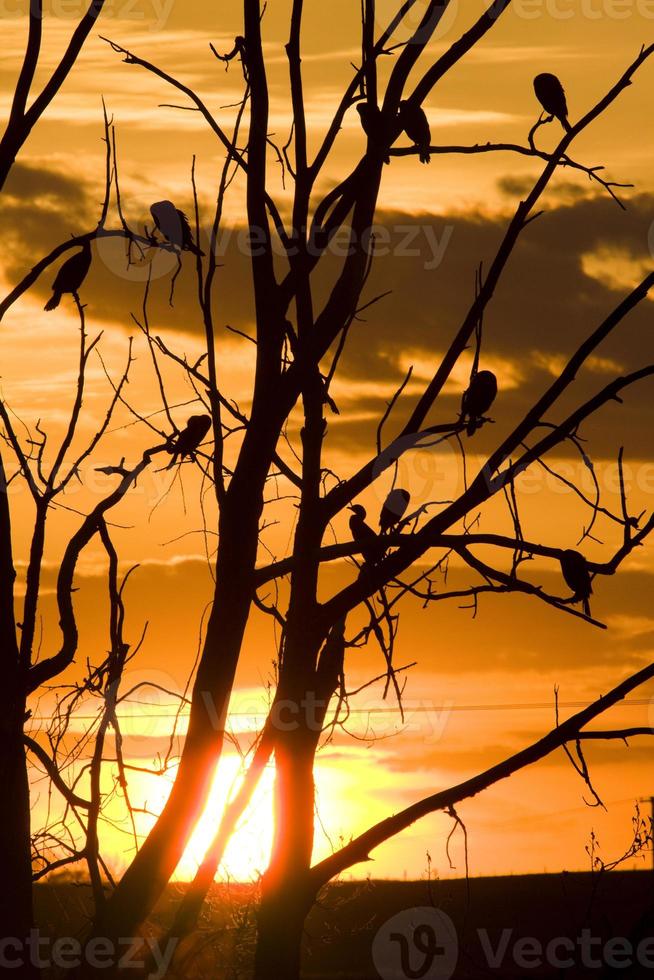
418, 709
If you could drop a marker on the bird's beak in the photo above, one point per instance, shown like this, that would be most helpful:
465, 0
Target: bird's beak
350, 506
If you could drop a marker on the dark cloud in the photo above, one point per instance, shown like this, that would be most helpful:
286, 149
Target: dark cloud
545, 301
546, 304
519, 187
548, 301
41, 207
27, 182
44, 207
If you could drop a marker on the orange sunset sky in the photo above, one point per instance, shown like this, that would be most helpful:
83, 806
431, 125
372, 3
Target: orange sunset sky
483, 685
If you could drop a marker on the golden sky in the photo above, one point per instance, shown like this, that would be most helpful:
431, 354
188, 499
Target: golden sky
483, 686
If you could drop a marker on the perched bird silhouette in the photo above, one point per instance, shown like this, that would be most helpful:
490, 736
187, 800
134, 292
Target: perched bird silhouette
577, 576
363, 535
478, 399
393, 510
187, 441
415, 124
371, 123
551, 96
71, 276
173, 225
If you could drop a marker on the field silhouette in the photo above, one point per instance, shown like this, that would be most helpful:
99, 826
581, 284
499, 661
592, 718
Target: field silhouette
340, 930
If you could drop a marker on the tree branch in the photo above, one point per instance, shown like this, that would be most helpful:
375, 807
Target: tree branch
569, 731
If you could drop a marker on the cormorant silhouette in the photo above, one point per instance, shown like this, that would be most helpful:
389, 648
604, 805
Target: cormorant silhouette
188, 440
478, 399
551, 96
173, 225
393, 510
415, 124
71, 276
577, 576
371, 123
371, 547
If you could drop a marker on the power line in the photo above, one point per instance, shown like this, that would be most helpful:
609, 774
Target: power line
417, 709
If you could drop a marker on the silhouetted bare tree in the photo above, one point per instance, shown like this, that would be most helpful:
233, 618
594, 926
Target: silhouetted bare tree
48, 469
299, 342
24, 114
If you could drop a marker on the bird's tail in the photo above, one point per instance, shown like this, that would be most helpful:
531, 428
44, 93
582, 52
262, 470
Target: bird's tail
586, 607
53, 302
565, 122
472, 427
194, 248
425, 156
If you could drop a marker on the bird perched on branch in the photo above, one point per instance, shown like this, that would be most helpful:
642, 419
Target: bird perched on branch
551, 96
71, 276
415, 124
371, 124
173, 225
577, 576
363, 535
394, 508
187, 441
478, 399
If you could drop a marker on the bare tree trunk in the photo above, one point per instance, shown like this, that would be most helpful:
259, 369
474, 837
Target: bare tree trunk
9, 148
288, 890
280, 926
285, 900
16, 913
146, 878
15, 848
240, 512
